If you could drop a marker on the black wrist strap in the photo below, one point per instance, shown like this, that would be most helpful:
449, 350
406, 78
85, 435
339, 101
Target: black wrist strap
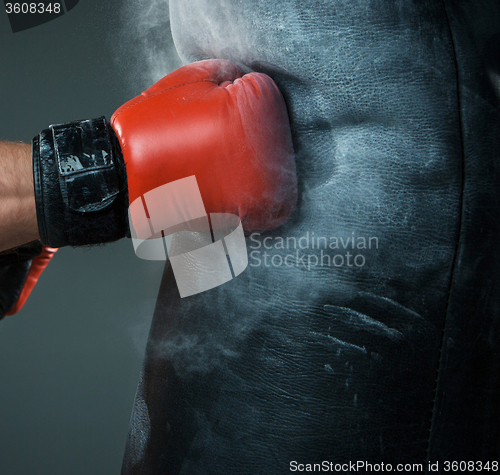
80, 184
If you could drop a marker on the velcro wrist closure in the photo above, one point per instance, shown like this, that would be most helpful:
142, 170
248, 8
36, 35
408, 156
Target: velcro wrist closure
80, 184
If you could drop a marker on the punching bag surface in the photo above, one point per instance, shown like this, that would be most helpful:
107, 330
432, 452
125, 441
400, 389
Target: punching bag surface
366, 328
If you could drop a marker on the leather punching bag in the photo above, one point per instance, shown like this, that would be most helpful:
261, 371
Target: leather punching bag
390, 357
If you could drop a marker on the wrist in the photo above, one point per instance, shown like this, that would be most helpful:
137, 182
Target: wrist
17, 201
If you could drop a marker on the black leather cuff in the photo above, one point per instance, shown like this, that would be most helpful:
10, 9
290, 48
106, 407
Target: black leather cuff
80, 184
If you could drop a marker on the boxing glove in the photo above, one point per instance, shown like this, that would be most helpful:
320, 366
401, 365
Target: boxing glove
208, 119
20, 270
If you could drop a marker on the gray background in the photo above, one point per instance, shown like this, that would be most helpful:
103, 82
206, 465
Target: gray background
70, 360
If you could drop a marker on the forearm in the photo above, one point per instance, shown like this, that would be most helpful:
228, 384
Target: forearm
18, 224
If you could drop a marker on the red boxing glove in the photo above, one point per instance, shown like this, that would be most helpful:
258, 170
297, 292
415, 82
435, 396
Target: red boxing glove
228, 129
38, 265
208, 119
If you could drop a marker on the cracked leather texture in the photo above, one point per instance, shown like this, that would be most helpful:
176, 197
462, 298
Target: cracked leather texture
394, 108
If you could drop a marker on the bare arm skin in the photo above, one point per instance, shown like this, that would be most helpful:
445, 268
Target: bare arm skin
18, 223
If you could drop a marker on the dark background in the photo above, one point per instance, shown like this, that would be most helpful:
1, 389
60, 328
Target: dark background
70, 360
